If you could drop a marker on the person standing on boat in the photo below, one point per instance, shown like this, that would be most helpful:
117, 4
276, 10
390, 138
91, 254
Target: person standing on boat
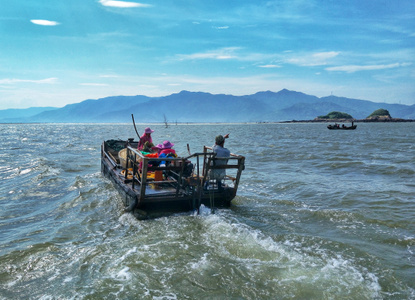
146, 137
220, 151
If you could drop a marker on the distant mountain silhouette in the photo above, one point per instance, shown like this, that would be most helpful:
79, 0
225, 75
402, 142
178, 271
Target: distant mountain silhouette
188, 106
11, 115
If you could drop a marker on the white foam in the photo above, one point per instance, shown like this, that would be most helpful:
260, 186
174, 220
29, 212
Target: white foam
201, 263
166, 297
25, 171
134, 250
124, 274
204, 211
128, 219
295, 261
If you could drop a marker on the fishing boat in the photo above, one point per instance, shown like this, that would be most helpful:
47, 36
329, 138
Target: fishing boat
153, 187
343, 127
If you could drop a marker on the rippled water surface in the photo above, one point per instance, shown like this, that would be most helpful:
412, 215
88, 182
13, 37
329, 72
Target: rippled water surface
319, 214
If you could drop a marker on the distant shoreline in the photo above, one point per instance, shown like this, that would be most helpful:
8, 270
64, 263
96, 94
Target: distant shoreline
392, 120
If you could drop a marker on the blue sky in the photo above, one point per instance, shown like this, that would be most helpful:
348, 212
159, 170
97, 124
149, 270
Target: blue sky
54, 53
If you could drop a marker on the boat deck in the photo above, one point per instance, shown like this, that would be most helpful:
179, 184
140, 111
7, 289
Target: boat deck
160, 188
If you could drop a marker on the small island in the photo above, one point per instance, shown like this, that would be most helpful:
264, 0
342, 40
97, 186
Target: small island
379, 115
336, 115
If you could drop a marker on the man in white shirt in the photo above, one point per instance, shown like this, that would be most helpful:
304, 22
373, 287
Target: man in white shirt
220, 151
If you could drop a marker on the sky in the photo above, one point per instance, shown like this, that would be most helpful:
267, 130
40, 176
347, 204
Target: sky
54, 53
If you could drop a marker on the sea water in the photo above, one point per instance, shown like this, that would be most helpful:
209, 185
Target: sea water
319, 214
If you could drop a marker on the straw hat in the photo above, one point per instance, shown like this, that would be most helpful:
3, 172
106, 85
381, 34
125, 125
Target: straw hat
167, 145
148, 130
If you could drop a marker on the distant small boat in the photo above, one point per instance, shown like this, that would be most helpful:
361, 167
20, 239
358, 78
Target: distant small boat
342, 127
151, 190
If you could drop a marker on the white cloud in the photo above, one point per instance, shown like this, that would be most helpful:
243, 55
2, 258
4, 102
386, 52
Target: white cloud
108, 76
94, 84
122, 4
224, 53
356, 68
325, 55
237, 53
270, 66
51, 80
314, 59
44, 22
221, 27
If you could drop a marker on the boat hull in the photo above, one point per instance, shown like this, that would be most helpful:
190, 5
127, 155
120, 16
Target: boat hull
332, 127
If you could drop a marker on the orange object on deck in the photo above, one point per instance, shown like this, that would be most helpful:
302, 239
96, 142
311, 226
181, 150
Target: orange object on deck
158, 175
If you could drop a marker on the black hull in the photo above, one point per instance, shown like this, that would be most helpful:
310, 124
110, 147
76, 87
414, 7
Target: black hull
331, 127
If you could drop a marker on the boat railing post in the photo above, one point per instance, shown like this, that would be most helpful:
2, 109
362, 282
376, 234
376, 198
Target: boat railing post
206, 163
204, 160
199, 183
127, 155
144, 178
180, 180
134, 168
210, 159
241, 167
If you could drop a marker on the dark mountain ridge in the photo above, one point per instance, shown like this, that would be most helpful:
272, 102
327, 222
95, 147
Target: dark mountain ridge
266, 106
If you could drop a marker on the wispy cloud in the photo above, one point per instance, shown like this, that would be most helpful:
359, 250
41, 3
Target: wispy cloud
45, 22
270, 66
122, 4
357, 68
313, 59
51, 80
93, 84
223, 53
237, 53
221, 27
108, 76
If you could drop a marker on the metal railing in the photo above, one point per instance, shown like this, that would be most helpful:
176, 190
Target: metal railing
175, 170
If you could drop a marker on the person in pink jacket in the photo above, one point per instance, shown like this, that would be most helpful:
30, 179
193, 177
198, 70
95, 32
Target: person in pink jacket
167, 149
146, 137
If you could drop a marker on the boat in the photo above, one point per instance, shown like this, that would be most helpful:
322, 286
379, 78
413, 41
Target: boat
153, 187
343, 127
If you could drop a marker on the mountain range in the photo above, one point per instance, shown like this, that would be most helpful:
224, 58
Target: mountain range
188, 106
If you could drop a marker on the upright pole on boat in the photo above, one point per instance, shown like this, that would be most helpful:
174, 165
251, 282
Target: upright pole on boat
132, 116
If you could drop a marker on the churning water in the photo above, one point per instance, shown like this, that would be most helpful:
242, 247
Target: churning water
319, 215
